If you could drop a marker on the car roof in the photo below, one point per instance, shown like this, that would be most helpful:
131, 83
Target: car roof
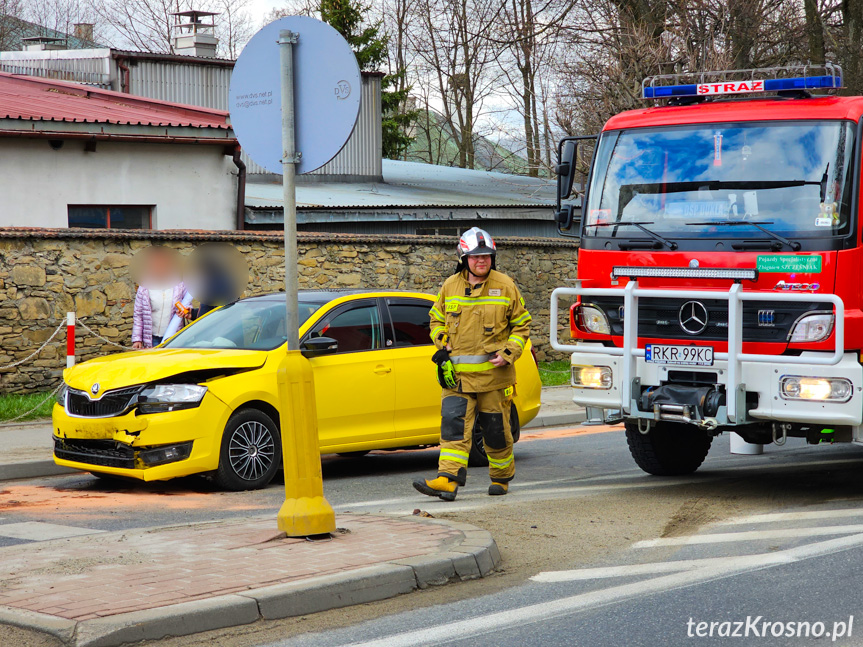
325, 296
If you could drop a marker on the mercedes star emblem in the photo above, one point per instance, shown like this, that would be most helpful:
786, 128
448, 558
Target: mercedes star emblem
95, 388
693, 317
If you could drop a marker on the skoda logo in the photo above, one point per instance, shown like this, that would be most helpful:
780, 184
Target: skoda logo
95, 388
693, 317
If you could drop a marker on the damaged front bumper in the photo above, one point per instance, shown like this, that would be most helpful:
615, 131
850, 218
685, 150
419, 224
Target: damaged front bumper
148, 447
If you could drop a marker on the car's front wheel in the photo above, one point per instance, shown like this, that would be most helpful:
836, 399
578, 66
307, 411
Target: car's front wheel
249, 457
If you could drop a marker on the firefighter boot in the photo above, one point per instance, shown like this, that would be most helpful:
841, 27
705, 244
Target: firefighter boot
498, 489
442, 487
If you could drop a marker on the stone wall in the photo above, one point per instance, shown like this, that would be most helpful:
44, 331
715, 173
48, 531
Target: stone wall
46, 273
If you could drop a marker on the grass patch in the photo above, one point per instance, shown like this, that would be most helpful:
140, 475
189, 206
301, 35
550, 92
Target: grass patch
554, 373
15, 404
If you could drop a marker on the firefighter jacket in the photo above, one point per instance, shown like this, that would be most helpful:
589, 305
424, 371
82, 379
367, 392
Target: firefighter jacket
477, 322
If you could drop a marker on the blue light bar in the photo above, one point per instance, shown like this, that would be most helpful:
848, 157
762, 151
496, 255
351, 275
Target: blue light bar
742, 87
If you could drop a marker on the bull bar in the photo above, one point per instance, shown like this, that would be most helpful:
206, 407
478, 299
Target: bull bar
735, 355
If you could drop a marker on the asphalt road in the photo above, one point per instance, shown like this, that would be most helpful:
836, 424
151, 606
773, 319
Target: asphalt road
595, 552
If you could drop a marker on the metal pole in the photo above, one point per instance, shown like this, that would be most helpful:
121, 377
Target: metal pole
305, 510
290, 157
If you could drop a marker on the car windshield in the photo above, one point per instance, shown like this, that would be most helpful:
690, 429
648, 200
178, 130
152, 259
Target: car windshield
711, 181
251, 324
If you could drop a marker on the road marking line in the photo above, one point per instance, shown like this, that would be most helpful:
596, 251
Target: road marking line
496, 622
40, 531
549, 577
773, 517
748, 535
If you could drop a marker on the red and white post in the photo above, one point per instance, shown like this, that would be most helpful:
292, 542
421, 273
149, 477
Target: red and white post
70, 339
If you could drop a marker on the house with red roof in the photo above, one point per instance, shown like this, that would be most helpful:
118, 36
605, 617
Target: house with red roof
77, 156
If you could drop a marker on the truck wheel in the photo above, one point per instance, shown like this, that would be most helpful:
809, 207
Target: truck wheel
670, 449
251, 447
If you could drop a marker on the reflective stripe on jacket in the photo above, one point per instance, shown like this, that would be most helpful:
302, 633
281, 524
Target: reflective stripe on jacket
477, 322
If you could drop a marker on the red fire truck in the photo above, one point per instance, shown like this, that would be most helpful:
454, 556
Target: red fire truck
719, 282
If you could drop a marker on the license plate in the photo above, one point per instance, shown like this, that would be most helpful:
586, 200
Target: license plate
684, 355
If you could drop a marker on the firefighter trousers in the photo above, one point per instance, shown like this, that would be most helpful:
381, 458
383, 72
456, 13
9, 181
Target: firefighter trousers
488, 414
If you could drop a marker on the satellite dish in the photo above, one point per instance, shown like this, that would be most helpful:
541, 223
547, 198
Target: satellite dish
327, 92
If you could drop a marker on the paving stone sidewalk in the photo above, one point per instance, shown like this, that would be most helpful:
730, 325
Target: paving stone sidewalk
109, 588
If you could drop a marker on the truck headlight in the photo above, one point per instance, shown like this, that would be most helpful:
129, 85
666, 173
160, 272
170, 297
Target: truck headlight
811, 328
825, 389
160, 398
592, 319
592, 377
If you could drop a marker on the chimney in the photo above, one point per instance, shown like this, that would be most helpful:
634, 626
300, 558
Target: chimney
42, 43
193, 36
84, 30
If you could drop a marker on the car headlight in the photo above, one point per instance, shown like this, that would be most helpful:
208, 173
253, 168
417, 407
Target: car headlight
592, 319
811, 328
825, 389
592, 377
160, 398
61, 395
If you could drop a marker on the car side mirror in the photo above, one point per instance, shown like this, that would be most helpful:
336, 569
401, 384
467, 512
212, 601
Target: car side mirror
315, 346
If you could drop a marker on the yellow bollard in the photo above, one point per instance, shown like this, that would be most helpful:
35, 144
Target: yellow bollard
305, 510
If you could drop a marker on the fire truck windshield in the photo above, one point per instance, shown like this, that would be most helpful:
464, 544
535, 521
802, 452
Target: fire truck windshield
699, 185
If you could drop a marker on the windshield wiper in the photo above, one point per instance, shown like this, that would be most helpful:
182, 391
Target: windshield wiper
640, 225
793, 244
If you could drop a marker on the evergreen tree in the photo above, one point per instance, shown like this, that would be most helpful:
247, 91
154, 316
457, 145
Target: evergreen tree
370, 48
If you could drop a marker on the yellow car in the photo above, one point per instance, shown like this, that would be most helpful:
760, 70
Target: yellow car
206, 400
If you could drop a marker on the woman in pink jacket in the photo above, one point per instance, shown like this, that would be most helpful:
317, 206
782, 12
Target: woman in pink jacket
160, 290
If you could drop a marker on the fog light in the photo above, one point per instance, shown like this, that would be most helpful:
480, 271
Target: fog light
825, 389
592, 377
152, 456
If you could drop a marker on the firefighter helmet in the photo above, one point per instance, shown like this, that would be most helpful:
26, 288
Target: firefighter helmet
476, 242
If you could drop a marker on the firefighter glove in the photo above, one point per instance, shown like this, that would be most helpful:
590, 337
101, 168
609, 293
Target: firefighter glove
445, 370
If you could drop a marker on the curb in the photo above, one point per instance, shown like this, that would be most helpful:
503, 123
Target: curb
476, 556
32, 470
555, 419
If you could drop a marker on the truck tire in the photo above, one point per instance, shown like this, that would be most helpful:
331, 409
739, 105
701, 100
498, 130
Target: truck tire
670, 449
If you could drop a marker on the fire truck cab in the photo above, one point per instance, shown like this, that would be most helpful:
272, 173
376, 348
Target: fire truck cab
720, 272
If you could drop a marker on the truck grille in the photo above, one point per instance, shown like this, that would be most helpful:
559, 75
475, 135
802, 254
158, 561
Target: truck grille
113, 403
658, 318
95, 452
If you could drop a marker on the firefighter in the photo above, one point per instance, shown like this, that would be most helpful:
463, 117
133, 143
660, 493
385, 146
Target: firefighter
480, 327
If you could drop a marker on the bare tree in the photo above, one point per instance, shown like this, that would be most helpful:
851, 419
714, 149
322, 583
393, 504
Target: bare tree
456, 59
10, 24
149, 25
530, 31
234, 26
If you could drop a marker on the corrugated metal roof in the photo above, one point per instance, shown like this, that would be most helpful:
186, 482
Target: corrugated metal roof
36, 99
411, 184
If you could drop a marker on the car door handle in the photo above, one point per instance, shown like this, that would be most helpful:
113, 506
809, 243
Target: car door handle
381, 370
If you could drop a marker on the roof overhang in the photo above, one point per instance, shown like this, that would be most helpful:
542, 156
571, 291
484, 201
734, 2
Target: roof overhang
306, 215
38, 129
